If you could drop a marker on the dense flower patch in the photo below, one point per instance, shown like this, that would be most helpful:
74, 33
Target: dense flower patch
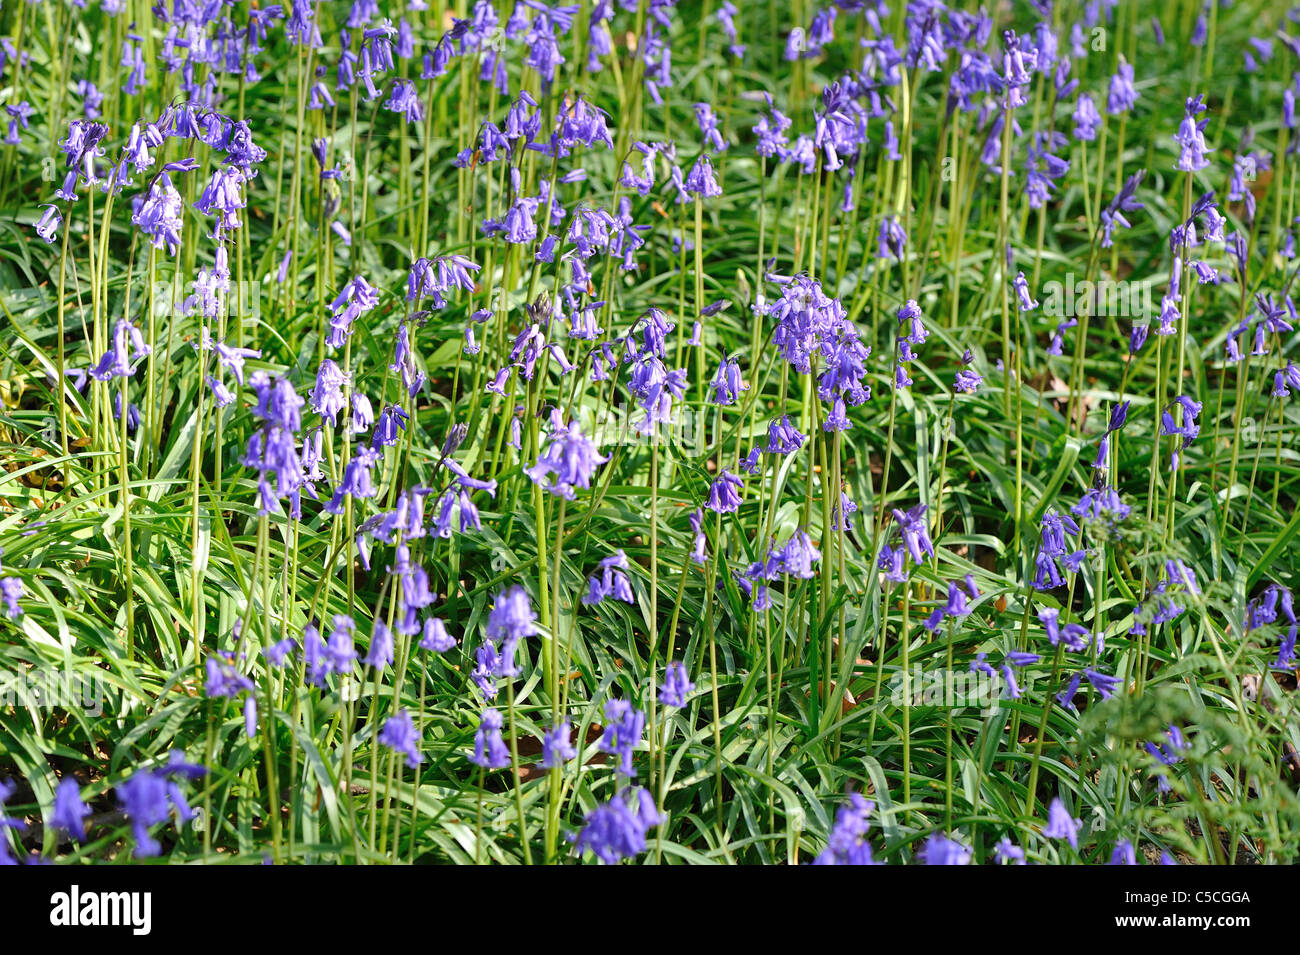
850, 432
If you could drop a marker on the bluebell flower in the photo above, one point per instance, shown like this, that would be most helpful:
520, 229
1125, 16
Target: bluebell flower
1124, 201
967, 380
490, 750
82, 141
1137, 338
11, 591
1021, 286
340, 649
916, 536
127, 346
1054, 546
1061, 825
700, 181
708, 123
322, 658
891, 562
698, 553
677, 685
624, 725
1008, 853
940, 850
357, 480
770, 130
511, 620
326, 399
837, 418
842, 512
389, 427
1190, 138
567, 461
277, 654
612, 581
847, 844
487, 668
1043, 168
436, 637
7, 790
1188, 429
557, 746
224, 680
727, 383
617, 829
1290, 375
1105, 685
48, 224
380, 653
1122, 94
355, 299
363, 414
399, 734
403, 99
1123, 854
69, 811
1086, 118
892, 239
725, 493
1072, 634
1016, 64
149, 795
1101, 503
1012, 687
222, 198
726, 15
954, 607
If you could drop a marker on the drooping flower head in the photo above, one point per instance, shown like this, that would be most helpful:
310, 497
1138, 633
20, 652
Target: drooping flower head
1061, 825
355, 299
848, 840
624, 725
567, 461
724, 493
511, 620
617, 829
557, 746
916, 535
399, 734
1190, 136
69, 811
490, 751
612, 581
677, 685
149, 795
941, 850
